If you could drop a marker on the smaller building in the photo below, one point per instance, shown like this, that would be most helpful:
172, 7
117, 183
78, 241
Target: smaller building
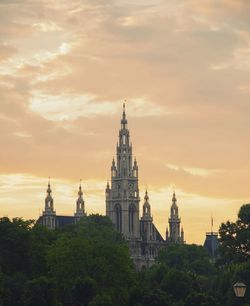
51, 220
211, 244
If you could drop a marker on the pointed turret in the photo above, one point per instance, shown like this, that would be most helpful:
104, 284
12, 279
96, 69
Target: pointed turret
146, 207
174, 208
108, 185
108, 190
80, 209
167, 238
49, 202
182, 235
113, 168
135, 168
175, 235
49, 215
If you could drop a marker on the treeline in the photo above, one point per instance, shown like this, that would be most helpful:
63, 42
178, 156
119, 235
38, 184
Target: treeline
89, 264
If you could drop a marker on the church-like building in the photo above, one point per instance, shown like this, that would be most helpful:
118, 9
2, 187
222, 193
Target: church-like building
123, 207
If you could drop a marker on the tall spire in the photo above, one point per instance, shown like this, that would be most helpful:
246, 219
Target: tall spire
122, 198
174, 198
124, 120
146, 198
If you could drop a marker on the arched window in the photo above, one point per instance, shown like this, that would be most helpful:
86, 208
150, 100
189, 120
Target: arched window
131, 217
118, 217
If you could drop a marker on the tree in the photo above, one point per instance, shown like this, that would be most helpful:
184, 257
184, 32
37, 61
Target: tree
187, 258
15, 245
200, 299
40, 292
95, 255
235, 238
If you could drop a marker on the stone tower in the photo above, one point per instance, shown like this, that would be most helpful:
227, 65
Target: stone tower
174, 235
49, 214
122, 197
80, 209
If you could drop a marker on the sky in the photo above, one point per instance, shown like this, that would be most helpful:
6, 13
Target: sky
183, 67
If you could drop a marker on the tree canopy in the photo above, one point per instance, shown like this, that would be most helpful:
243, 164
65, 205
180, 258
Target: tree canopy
235, 238
88, 263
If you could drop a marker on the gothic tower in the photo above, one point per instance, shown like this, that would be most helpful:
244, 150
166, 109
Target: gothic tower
175, 235
80, 209
122, 197
49, 214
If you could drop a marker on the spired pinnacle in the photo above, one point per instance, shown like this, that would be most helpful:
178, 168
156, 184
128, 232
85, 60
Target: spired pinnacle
146, 196
49, 189
124, 120
174, 198
80, 193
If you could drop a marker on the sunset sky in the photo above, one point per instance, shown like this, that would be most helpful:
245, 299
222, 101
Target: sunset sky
182, 65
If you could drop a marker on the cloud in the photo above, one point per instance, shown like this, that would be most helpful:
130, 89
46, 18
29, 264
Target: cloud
71, 107
66, 68
194, 171
47, 26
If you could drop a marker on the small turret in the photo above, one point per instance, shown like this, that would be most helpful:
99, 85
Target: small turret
182, 235
113, 168
135, 168
146, 207
49, 202
174, 208
108, 190
167, 237
49, 215
175, 234
80, 209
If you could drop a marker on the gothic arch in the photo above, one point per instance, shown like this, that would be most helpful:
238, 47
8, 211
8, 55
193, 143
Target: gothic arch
118, 217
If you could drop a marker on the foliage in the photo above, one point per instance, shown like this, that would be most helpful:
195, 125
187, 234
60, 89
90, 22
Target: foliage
235, 238
77, 265
88, 263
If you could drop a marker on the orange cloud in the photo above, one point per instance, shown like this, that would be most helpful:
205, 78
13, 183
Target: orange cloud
183, 68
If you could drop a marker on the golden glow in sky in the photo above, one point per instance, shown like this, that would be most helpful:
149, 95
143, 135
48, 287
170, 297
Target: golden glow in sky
183, 67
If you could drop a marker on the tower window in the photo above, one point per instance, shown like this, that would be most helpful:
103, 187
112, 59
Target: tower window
118, 217
131, 217
124, 139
